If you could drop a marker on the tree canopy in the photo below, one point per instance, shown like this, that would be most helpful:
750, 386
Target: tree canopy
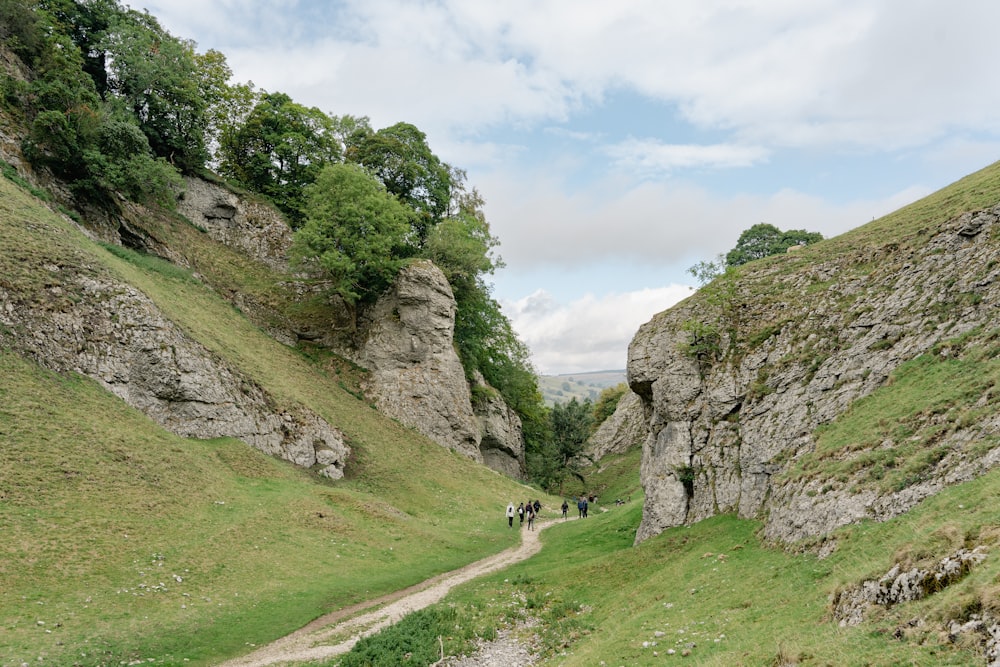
763, 240
353, 229
115, 104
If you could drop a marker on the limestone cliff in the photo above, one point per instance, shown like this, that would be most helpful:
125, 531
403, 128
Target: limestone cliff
407, 345
405, 340
805, 338
83, 319
623, 430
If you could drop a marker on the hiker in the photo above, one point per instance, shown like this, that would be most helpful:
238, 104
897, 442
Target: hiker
538, 506
531, 516
510, 515
580, 505
520, 514
586, 506
565, 506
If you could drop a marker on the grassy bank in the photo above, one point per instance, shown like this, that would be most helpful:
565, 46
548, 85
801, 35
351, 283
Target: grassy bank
122, 542
714, 594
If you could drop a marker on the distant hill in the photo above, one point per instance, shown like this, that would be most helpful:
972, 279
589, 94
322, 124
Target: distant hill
581, 386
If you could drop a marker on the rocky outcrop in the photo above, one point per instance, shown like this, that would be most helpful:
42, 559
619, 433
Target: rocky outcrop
415, 374
896, 585
501, 441
254, 228
623, 430
88, 323
723, 431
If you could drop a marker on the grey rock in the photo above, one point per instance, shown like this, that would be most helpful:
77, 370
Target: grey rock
719, 434
623, 430
415, 374
256, 229
116, 335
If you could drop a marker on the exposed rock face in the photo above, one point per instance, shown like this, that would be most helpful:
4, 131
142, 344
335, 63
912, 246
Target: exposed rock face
256, 229
417, 377
501, 441
850, 605
114, 334
623, 430
721, 435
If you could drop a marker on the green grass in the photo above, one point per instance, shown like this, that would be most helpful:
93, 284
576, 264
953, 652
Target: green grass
893, 437
99, 506
716, 591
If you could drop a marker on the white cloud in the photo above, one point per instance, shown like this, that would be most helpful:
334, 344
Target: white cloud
649, 156
824, 73
591, 333
655, 223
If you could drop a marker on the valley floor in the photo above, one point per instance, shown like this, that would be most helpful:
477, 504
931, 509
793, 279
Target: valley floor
336, 633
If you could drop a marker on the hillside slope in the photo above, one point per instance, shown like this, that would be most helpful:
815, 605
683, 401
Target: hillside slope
125, 542
846, 381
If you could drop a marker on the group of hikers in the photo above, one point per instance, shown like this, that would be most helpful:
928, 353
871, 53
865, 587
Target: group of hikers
531, 508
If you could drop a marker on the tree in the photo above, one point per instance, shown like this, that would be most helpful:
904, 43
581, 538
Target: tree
763, 240
571, 426
353, 232
157, 78
401, 159
280, 149
607, 402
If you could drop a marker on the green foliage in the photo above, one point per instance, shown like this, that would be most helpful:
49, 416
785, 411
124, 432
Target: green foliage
278, 150
561, 455
103, 145
607, 402
763, 240
401, 159
353, 231
461, 247
156, 77
414, 640
19, 29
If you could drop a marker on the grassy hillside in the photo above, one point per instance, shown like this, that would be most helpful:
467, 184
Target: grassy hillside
714, 593
581, 386
122, 542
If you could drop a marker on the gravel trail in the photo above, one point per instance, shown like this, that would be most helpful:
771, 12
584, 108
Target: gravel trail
336, 633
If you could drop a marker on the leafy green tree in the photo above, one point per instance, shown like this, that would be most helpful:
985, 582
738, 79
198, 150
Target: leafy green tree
571, 425
763, 240
607, 402
353, 231
157, 78
20, 29
461, 246
401, 159
279, 150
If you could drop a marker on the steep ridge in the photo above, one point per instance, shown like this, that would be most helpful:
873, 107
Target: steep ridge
848, 380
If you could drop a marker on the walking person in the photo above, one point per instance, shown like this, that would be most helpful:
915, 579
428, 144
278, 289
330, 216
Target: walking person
580, 504
565, 506
510, 515
520, 514
530, 509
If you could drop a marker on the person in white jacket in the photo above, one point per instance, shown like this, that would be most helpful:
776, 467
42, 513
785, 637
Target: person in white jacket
510, 515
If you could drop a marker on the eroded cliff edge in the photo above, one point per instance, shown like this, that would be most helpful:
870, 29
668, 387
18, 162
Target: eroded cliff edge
806, 337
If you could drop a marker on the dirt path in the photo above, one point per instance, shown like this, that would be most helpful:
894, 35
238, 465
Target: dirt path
332, 635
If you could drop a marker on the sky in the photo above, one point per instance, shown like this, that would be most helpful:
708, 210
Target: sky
619, 143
